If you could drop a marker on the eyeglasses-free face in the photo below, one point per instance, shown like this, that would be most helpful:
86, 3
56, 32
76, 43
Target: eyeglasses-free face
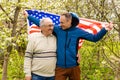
47, 29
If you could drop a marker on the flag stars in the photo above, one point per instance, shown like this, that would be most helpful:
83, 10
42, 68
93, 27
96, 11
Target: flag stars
36, 13
57, 22
53, 18
37, 17
57, 18
31, 15
45, 15
34, 16
40, 15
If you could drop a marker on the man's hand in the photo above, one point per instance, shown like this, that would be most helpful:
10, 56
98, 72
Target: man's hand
109, 26
25, 14
28, 78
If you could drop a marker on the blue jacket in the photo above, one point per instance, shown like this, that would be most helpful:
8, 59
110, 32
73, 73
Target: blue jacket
67, 42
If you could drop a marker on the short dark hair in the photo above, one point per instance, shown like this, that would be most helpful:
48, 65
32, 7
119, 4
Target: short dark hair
73, 17
67, 15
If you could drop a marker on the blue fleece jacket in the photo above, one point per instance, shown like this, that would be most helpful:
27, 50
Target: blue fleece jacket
67, 42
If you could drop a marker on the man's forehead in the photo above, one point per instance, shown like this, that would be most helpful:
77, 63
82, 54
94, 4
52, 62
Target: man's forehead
48, 20
62, 18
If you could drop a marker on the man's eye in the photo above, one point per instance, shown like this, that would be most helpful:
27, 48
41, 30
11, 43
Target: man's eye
61, 22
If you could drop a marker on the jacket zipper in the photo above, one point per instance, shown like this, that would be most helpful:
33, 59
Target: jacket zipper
66, 47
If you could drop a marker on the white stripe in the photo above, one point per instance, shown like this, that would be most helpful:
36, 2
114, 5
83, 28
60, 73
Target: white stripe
88, 30
34, 29
85, 22
96, 28
103, 24
91, 20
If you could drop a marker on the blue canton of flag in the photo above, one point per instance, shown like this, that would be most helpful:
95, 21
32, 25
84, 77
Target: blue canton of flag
40, 14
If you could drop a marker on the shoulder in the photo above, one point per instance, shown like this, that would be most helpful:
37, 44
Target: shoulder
34, 35
57, 28
78, 29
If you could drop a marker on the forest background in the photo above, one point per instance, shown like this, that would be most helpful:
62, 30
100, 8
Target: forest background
99, 61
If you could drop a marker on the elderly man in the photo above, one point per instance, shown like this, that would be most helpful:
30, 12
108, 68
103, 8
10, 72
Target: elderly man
40, 56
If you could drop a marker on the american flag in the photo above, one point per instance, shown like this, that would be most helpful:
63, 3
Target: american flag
89, 25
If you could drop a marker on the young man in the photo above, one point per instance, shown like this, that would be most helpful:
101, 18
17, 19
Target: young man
68, 36
40, 56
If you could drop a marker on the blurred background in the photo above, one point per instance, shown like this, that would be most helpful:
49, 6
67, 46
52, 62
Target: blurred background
99, 61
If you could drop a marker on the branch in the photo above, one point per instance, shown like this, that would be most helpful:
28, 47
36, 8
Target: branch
97, 8
113, 66
6, 13
116, 29
17, 10
117, 14
110, 47
113, 4
19, 31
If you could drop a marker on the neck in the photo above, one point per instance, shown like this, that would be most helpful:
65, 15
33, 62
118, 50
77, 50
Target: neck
45, 34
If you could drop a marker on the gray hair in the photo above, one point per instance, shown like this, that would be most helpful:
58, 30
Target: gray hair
43, 21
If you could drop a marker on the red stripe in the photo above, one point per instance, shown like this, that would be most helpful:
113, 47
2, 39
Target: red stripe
33, 31
36, 27
98, 23
91, 21
83, 26
88, 27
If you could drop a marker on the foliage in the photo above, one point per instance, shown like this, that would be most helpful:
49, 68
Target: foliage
92, 66
96, 63
100, 61
15, 67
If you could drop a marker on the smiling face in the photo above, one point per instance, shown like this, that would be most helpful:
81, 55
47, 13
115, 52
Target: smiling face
65, 21
46, 26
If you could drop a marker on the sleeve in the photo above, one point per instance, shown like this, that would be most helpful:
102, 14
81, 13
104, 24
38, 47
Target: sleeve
34, 20
28, 56
93, 37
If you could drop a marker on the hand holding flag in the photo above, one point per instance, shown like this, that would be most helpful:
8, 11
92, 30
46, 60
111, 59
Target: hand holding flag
25, 14
109, 26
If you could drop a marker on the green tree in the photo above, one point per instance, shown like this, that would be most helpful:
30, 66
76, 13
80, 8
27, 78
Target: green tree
99, 61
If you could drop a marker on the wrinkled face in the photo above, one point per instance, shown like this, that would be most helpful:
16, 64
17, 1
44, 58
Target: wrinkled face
64, 22
47, 28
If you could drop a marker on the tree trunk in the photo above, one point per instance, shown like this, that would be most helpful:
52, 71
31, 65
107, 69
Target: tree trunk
119, 34
4, 73
117, 75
